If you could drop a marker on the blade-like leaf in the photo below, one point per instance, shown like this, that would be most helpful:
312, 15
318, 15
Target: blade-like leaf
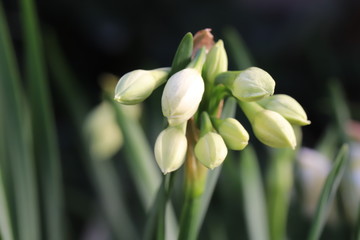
102, 172
6, 230
45, 139
183, 54
340, 108
279, 184
237, 49
254, 196
141, 160
18, 142
328, 193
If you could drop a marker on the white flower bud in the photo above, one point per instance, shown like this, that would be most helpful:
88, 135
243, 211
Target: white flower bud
313, 169
273, 129
253, 84
135, 86
233, 133
182, 95
216, 62
211, 150
102, 132
287, 106
170, 149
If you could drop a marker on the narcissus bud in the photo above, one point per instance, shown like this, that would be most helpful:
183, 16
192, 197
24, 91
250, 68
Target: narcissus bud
182, 95
287, 106
211, 150
216, 62
233, 133
135, 86
170, 149
249, 85
102, 132
273, 129
253, 84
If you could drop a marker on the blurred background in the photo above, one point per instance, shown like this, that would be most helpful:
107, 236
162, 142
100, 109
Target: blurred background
302, 44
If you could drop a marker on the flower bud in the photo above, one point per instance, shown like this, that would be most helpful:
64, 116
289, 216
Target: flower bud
273, 129
182, 95
287, 106
233, 133
170, 149
135, 86
102, 132
211, 150
253, 84
313, 169
216, 62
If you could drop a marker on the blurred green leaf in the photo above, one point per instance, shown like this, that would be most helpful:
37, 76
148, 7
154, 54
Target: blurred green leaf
254, 196
142, 164
183, 54
341, 111
65, 81
328, 193
45, 138
279, 184
237, 49
102, 172
110, 192
6, 229
18, 142
357, 227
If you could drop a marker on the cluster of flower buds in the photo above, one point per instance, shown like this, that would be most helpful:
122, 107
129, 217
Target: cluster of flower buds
195, 86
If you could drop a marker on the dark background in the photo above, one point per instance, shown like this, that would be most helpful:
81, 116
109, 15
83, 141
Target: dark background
300, 43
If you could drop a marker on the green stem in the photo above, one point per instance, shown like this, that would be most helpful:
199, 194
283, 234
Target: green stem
195, 182
166, 188
250, 109
227, 78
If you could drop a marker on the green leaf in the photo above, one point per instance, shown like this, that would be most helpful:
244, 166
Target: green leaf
328, 192
18, 142
108, 186
357, 227
6, 230
340, 108
45, 138
237, 49
254, 196
183, 54
142, 164
279, 184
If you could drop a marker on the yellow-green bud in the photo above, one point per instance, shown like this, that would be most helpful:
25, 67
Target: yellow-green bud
102, 132
233, 133
216, 62
253, 84
135, 86
211, 150
273, 129
182, 95
170, 149
287, 106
